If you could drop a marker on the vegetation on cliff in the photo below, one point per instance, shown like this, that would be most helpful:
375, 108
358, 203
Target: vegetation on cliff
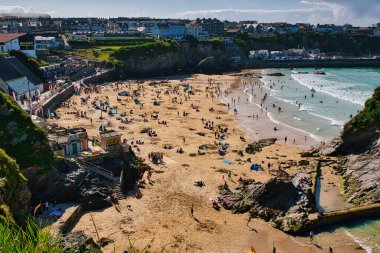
32, 64
341, 43
368, 117
21, 138
11, 184
148, 49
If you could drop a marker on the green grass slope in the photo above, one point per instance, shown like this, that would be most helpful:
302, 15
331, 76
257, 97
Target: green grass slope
21, 138
369, 117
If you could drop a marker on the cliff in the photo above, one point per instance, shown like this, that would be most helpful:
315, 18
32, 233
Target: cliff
168, 57
358, 147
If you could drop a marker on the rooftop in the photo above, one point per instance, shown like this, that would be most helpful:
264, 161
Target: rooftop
5, 37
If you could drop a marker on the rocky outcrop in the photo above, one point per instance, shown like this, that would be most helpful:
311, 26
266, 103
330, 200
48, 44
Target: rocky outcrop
79, 242
359, 148
286, 204
258, 146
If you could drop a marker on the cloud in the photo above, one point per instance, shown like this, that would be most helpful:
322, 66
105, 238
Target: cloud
15, 9
313, 11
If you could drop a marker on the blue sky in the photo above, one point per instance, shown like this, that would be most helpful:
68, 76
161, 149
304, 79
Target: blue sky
358, 12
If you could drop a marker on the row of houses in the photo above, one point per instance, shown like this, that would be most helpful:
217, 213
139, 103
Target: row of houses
289, 54
176, 28
27, 43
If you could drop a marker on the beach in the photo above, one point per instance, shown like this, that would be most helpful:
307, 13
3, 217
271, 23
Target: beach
162, 218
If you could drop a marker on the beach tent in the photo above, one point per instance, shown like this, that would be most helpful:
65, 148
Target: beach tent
256, 167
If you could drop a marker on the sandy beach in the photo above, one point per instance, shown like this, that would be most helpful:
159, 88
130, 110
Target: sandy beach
162, 218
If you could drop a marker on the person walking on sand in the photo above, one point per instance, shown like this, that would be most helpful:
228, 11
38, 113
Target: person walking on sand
286, 139
192, 210
183, 141
330, 250
311, 236
229, 175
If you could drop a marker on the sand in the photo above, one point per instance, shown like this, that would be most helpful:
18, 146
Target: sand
161, 218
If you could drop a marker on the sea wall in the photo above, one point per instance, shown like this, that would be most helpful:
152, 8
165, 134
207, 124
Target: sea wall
53, 102
110, 75
339, 63
342, 216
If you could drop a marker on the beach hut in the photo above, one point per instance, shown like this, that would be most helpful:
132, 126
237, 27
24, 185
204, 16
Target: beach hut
109, 139
69, 142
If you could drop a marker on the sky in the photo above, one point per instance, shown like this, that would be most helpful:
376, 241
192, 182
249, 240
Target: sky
356, 12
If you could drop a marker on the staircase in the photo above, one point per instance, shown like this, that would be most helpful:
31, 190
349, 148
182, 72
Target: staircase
96, 169
119, 193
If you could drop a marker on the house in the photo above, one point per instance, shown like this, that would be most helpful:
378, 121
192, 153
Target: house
170, 30
45, 43
259, 54
196, 30
109, 139
332, 29
10, 41
17, 80
27, 45
68, 142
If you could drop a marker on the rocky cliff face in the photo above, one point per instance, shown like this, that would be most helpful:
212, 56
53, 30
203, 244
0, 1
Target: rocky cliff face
184, 58
358, 146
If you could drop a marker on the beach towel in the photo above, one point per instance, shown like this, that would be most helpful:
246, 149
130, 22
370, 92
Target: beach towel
227, 162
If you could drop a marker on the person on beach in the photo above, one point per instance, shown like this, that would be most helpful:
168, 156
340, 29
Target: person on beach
330, 250
192, 210
286, 139
311, 236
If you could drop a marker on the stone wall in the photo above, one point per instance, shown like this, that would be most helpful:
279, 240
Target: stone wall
53, 102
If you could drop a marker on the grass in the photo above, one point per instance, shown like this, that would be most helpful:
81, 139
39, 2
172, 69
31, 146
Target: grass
368, 117
21, 139
30, 238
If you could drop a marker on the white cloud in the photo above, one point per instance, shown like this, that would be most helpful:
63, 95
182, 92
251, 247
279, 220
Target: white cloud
313, 11
15, 9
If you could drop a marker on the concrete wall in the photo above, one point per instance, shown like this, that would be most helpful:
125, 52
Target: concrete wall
108, 76
342, 63
83, 72
57, 99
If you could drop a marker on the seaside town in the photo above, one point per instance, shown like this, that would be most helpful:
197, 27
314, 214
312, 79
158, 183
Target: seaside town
188, 135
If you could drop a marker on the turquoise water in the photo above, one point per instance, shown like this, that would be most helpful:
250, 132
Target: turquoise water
364, 232
338, 95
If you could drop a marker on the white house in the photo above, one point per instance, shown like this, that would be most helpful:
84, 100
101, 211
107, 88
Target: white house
259, 54
196, 30
45, 43
170, 30
10, 41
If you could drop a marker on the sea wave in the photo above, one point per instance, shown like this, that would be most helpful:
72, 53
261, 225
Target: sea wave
360, 241
335, 89
334, 122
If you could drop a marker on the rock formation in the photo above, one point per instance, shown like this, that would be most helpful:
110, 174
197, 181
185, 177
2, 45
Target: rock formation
358, 146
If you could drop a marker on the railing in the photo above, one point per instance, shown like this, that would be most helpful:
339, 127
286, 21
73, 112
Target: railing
97, 170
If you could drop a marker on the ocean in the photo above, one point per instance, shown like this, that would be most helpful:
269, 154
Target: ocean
319, 105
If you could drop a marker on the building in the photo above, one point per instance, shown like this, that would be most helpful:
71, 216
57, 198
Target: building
170, 30
259, 54
68, 142
332, 29
17, 80
109, 139
27, 45
10, 41
196, 30
45, 43
213, 27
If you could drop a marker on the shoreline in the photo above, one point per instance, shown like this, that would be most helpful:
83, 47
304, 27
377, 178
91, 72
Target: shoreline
259, 128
